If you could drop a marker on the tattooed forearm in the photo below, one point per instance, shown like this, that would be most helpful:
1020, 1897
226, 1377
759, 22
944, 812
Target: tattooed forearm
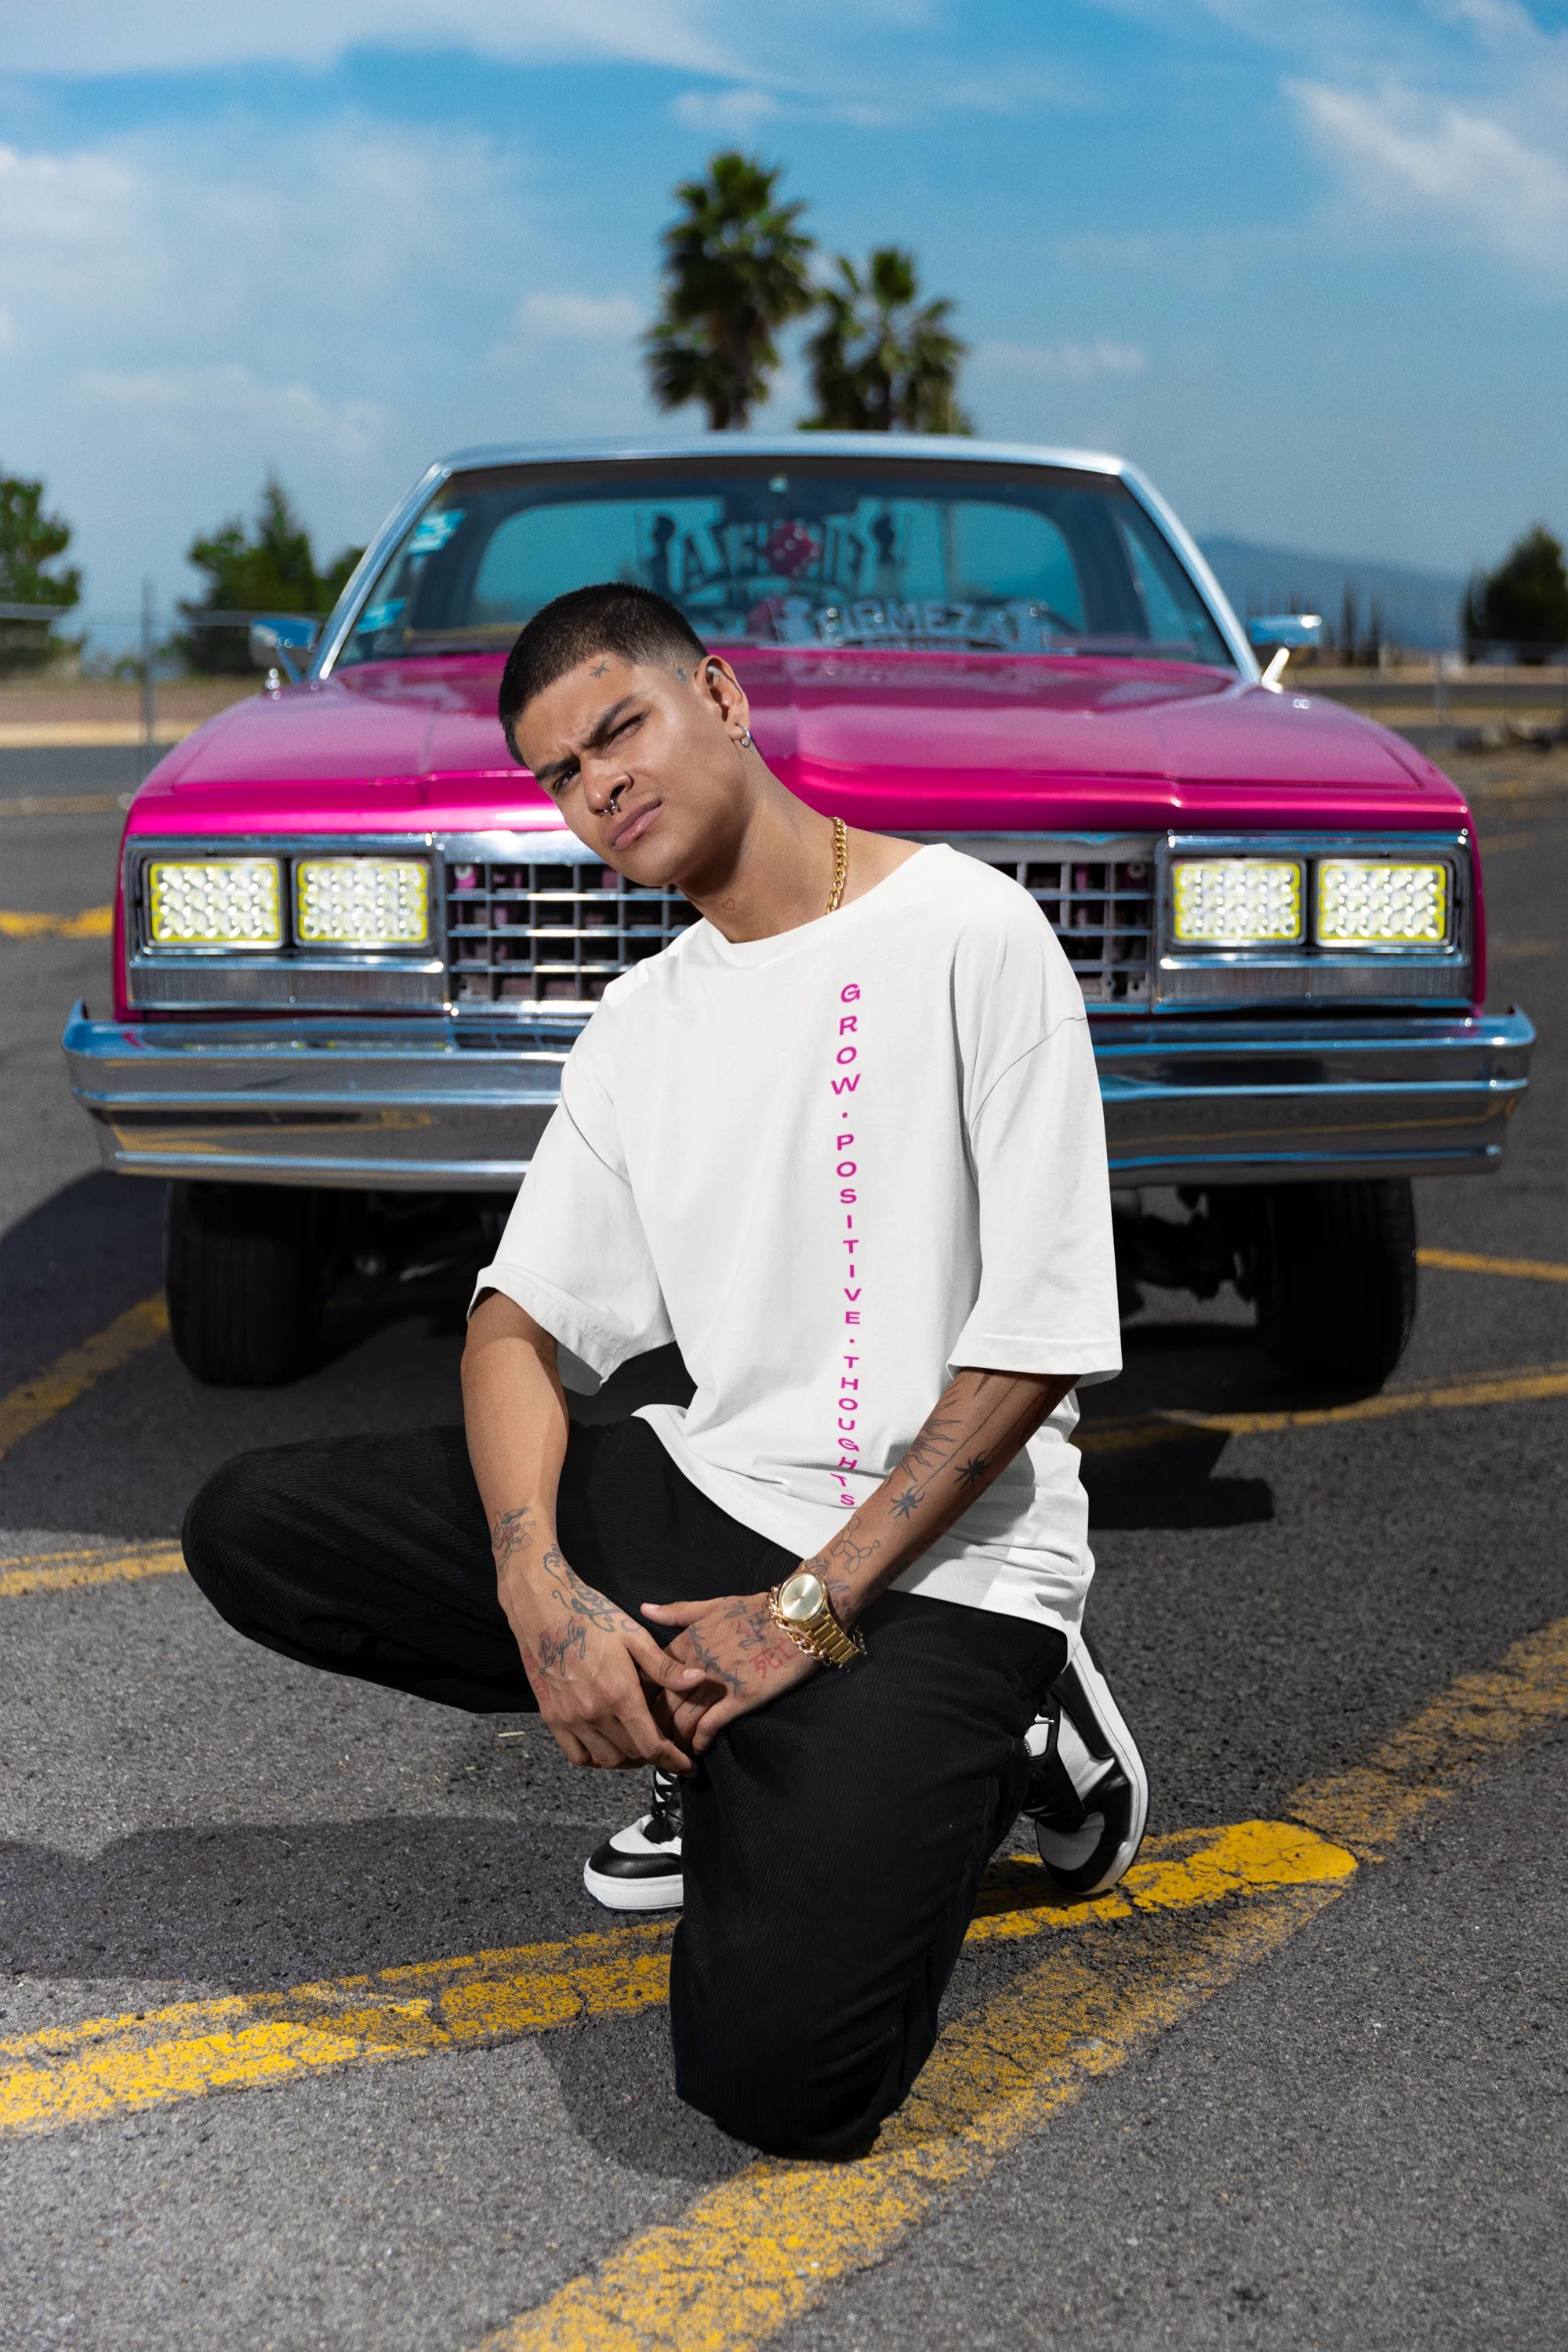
935, 1439
511, 1533
514, 1535
840, 1563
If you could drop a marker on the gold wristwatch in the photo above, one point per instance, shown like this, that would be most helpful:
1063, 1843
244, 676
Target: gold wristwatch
800, 1607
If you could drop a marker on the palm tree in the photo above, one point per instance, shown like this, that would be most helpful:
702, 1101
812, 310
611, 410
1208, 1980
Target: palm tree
880, 361
735, 270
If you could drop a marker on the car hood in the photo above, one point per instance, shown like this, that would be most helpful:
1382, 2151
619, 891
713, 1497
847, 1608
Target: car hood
915, 743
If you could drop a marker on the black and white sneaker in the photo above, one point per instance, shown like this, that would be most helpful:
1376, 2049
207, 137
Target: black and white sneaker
638, 1869
1088, 1793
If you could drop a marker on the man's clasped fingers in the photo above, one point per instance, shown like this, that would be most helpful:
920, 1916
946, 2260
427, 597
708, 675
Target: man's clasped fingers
602, 1716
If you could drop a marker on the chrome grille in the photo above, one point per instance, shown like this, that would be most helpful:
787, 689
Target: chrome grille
522, 933
1098, 897
535, 933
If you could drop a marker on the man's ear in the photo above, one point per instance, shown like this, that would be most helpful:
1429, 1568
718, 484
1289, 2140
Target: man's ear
724, 690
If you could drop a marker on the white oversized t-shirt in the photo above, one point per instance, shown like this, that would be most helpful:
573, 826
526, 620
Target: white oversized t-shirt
835, 1165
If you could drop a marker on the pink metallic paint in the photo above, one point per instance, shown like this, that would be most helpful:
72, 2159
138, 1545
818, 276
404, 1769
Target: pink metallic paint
899, 740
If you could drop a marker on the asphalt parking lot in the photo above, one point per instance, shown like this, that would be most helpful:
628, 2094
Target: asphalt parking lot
311, 2038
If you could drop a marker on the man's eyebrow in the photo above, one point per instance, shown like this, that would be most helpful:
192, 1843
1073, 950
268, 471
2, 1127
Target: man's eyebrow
594, 741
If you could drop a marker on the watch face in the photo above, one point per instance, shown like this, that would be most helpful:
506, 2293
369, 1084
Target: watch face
801, 1597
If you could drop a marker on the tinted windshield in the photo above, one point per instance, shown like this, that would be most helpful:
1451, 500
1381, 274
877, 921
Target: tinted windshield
824, 552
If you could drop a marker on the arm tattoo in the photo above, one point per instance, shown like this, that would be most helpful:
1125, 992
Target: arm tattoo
512, 1532
946, 1435
572, 1593
840, 1562
938, 1437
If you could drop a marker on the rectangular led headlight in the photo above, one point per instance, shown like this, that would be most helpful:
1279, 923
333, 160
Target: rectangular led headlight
1367, 902
1237, 902
214, 902
361, 902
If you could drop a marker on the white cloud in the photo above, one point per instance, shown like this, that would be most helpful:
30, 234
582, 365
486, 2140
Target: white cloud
105, 37
1428, 162
1063, 363
192, 406
579, 317
72, 232
724, 113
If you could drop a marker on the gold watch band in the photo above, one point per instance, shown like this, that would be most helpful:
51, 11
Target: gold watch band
820, 1635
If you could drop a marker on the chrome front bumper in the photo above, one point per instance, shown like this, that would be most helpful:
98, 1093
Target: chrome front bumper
405, 1104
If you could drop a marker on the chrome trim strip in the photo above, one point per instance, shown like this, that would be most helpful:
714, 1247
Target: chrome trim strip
404, 1102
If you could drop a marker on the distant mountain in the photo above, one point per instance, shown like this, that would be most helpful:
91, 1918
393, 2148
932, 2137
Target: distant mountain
1420, 609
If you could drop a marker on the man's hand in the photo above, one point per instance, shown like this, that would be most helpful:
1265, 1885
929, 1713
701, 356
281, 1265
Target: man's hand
743, 1658
591, 1669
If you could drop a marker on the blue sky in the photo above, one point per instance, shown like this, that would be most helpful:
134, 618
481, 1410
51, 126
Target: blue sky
1307, 266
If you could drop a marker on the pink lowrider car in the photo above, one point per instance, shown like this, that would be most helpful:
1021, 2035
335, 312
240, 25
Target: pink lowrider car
354, 943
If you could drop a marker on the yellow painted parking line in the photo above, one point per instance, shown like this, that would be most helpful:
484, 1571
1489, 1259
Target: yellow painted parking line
62, 1571
64, 803
1528, 1384
29, 1407
1525, 1269
89, 734
768, 2244
1443, 1744
92, 923
115, 2065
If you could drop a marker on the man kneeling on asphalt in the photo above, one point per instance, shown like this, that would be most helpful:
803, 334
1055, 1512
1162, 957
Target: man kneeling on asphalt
842, 1142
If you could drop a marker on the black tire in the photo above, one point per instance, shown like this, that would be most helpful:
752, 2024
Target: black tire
1337, 1282
244, 1273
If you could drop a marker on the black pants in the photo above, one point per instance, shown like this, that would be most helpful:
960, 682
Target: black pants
834, 1840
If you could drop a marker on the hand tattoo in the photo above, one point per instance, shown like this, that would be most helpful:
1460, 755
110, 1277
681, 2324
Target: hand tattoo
554, 1649
513, 1535
572, 1593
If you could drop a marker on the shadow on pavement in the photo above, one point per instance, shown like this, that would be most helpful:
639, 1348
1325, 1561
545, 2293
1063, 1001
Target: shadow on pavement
262, 1908
73, 1264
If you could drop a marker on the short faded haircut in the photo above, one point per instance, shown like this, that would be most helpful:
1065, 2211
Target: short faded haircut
608, 618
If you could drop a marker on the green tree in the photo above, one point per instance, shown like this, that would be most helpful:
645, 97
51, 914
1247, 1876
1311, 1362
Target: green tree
735, 271
1524, 603
31, 540
882, 360
269, 569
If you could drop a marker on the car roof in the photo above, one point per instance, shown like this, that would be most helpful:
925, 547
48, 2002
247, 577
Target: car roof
948, 447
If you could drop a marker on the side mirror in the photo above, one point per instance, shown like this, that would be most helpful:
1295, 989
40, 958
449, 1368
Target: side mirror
284, 640
1291, 629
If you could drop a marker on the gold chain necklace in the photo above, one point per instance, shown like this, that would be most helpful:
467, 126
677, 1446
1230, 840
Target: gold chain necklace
840, 865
